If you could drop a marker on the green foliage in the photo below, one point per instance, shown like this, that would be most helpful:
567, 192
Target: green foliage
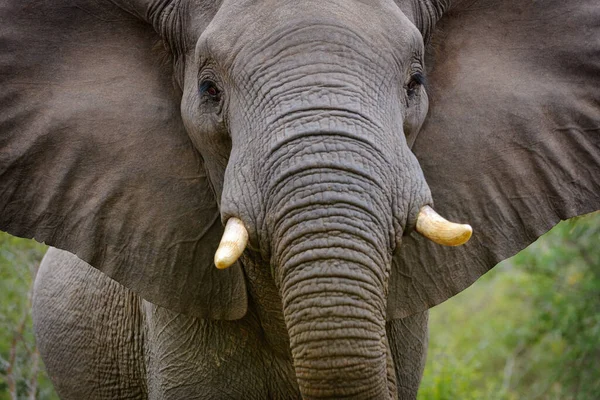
21, 370
529, 329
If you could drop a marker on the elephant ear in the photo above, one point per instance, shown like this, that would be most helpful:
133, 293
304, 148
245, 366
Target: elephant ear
94, 158
512, 141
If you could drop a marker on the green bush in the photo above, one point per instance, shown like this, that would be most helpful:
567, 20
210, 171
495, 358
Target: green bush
21, 371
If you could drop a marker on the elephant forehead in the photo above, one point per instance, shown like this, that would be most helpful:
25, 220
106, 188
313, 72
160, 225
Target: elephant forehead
248, 27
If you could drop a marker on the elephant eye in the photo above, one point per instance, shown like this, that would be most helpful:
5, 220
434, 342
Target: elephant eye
210, 89
416, 81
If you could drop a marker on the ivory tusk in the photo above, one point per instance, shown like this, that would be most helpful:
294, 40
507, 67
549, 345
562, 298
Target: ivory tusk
438, 229
233, 243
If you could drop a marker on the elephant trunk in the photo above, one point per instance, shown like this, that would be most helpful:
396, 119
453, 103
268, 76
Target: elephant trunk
333, 300
331, 248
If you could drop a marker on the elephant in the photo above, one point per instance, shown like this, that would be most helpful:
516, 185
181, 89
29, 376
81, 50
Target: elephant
299, 146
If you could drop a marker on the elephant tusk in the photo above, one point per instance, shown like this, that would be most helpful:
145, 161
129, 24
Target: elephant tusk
438, 229
233, 243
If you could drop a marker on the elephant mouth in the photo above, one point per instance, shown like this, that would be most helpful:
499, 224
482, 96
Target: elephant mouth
429, 224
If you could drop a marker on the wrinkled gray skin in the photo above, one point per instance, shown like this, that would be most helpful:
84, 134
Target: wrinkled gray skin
132, 130
101, 341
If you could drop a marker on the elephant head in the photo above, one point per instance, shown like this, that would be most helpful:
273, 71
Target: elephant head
133, 131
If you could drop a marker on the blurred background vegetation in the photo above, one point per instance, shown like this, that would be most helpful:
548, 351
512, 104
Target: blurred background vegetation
22, 374
529, 329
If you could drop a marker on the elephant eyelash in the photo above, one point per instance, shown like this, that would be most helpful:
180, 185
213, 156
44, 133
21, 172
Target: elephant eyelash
419, 78
416, 81
210, 89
